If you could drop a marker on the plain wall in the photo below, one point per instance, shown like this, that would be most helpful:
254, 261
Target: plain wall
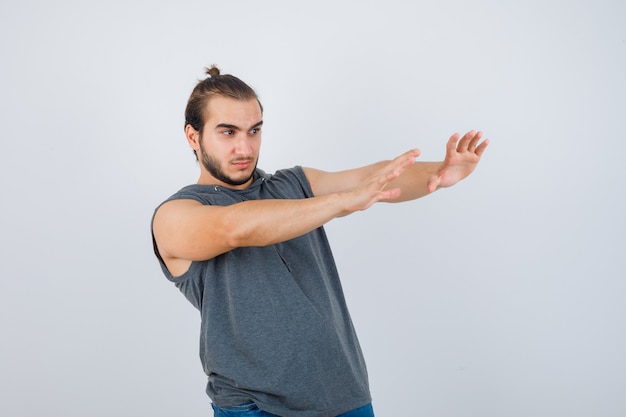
503, 296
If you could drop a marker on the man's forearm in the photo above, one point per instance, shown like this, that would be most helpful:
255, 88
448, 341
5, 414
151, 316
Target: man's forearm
265, 222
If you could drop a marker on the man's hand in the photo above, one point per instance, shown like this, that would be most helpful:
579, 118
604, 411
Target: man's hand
373, 187
462, 156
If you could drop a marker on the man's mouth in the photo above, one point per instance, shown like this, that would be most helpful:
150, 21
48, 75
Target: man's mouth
242, 163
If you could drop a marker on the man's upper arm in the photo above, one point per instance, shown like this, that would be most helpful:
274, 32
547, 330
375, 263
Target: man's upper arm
190, 230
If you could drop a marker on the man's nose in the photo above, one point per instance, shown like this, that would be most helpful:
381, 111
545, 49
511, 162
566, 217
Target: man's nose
242, 145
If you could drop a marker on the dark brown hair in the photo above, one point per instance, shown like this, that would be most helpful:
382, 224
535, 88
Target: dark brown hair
225, 85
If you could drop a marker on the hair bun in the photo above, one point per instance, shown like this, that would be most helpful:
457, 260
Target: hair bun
214, 71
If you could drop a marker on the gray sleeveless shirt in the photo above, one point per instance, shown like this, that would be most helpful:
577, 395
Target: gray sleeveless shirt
275, 326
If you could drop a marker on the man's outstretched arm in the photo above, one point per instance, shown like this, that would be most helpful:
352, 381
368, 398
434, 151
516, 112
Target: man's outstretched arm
418, 180
186, 230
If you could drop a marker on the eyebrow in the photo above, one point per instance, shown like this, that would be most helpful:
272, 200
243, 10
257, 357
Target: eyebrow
233, 127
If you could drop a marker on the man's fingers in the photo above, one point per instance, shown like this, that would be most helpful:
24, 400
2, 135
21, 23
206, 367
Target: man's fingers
408, 156
390, 172
466, 140
481, 148
389, 194
469, 142
385, 178
473, 143
402, 162
451, 146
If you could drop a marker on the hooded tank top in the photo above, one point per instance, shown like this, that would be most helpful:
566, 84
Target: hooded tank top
275, 328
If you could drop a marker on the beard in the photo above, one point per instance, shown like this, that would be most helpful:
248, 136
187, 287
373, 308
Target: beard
213, 166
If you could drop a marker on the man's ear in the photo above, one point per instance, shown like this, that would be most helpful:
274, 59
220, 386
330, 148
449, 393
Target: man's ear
193, 138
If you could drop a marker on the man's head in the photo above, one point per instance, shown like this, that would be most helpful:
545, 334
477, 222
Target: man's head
223, 119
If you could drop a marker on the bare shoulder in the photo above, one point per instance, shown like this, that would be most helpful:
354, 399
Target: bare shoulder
173, 207
175, 216
168, 218
170, 214
189, 230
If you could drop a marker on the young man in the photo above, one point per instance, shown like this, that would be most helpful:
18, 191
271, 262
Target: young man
249, 251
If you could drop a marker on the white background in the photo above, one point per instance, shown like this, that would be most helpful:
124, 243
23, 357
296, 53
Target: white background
503, 296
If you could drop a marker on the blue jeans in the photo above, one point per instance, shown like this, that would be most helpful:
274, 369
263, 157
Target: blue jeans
251, 410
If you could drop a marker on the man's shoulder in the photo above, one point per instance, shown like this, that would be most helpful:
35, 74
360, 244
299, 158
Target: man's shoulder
201, 193
288, 182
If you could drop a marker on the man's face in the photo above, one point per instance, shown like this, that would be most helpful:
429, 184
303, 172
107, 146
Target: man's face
230, 142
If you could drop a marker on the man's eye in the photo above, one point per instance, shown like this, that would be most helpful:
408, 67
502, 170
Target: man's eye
227, 132
255, 130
